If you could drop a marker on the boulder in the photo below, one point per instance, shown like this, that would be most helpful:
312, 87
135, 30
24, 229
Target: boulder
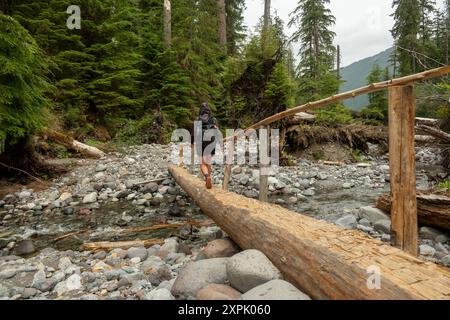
348, 222
159, 294
24, 247
383, 226
275, 290
373, 214
197, 275
220, 248
140, 253
218, 292
250, 269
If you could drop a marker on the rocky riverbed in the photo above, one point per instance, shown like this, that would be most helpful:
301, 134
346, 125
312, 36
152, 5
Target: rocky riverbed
114, 198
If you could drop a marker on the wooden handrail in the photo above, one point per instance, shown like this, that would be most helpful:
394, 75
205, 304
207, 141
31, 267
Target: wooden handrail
434, 73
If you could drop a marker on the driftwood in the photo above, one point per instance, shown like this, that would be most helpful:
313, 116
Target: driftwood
427, 122
439, 134
432, 210
321, 259
96, 246
71, 234
424, 139
300, 118
72, 144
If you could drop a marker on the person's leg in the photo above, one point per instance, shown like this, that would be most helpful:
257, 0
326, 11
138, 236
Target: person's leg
207, 170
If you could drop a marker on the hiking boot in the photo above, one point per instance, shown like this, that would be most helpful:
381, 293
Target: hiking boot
208, 182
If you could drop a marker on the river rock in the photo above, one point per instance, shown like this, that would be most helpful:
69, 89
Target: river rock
426, 250
7, 274
90, 198
383, 226
197, 275
72, 283
24, 247
373, 214
275, 290
170, 245
159, 294
249, 269
309, 193
429, 233
140, 253
24, 194
220, 248
218, 292
243, 180
348, 222
4, 291
446, 261
42, 283
251, 194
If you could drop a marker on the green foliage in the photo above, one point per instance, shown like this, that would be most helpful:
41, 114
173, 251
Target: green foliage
315, 70
145, 130
23, 85
334, 115
257, 82
444, 185
407, 18
378, 110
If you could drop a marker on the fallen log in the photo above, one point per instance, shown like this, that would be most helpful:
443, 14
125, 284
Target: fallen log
73, 144
427, 122
107, 246
432, 210
439, 134
321, 259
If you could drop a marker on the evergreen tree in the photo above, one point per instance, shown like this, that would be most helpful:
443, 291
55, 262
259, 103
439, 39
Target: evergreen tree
257, 82
377, 111
23, 88
313, 21
235, 25
407, 18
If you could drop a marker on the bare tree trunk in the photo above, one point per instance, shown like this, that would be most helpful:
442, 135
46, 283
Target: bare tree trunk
338, 67
222, 25
266, 14
167, 23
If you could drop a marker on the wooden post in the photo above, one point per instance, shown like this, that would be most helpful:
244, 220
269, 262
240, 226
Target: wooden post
192, 166
228, 165
403, 168
181, 155
167, 23
222, 24
263, 177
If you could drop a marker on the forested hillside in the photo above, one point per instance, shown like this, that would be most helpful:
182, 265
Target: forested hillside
355, 76
134, 70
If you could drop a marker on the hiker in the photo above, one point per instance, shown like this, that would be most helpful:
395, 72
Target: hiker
208, 122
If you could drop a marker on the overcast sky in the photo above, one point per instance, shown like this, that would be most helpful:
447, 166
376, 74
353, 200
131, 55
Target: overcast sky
362, 26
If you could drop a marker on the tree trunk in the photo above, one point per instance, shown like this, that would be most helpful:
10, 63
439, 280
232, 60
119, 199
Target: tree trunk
72, 144
266, 14
321, 259
21, 159
441, 135
222, 25
433, 210
167, 23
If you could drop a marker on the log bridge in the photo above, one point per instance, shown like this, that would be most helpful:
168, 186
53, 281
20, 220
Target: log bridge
321, 259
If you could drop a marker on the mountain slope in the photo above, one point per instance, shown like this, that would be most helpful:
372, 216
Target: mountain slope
355, 76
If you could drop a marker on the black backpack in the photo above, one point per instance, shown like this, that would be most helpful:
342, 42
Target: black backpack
208, 122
